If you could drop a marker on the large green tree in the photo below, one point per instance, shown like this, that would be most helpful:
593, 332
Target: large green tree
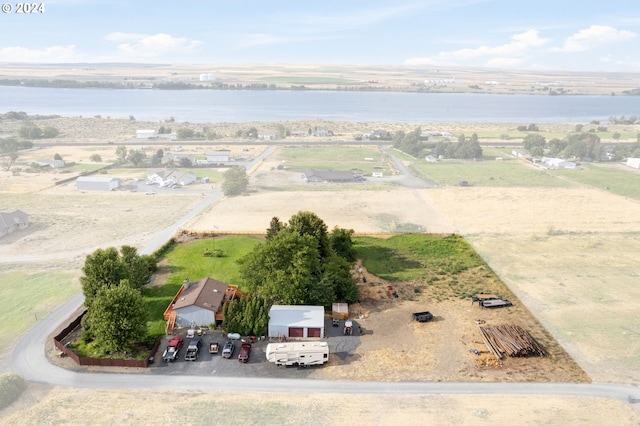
583, 145
235, 181
121, 153
336, 275
308, 223
411, 143
342, 244
534, 143
136, 156
274, 227
106, 268
117, 318
284, 269
289, 268
246, 315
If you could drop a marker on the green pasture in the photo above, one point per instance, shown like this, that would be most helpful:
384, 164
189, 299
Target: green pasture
601, 176
490, 173
189, 261
310, 80
334, 158
447, 263
410, 257
28, 297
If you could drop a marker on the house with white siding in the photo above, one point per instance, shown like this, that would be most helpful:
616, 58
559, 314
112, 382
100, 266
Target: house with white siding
14, 221
200, 303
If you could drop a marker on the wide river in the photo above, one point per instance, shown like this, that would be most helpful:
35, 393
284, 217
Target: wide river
282, 105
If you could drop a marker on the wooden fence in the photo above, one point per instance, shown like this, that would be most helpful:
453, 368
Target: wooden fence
102, 362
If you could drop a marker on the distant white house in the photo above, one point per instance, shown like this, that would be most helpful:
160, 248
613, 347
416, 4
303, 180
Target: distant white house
207, 77
557, 163
215, 157
10, 222
176, 158
299, 321
94, 183
321, 131
633, 162
54, 164
520, 153
146, 134
172, 177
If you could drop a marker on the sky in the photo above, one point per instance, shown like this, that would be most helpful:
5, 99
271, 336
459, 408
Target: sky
567, 35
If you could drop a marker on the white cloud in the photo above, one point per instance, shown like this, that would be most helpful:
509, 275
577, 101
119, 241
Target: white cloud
48, 54
595, 35
510, 53
152, 46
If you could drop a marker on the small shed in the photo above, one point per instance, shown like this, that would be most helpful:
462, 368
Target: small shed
296, 321
94, 183
340, 311
146, 134
220, 156
633, 162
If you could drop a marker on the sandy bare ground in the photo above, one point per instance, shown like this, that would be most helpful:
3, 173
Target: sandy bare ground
55, 405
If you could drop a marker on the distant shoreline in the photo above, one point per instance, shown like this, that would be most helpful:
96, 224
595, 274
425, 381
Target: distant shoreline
74, 84
284, 77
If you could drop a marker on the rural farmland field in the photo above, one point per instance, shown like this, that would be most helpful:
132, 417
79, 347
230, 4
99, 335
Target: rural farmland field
564, 245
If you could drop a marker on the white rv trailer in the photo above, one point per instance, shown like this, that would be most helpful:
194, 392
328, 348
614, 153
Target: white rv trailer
301, 353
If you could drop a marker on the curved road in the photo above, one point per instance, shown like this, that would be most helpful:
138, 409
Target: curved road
29, 361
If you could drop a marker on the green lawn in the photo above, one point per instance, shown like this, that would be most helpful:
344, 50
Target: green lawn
504, 173
188, 261
445, 265
416, 256
603, 176
335, 158
29, 296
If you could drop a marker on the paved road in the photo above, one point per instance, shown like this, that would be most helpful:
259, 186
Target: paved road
29, 361
407, 178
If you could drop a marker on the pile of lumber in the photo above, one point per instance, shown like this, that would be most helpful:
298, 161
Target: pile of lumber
510, 340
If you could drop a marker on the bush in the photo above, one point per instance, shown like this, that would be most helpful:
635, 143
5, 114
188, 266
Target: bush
11, 387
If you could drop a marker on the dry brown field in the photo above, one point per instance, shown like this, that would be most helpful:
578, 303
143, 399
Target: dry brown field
332, 77
568, 254
59, 405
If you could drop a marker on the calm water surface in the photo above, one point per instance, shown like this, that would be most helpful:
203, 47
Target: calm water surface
282, 105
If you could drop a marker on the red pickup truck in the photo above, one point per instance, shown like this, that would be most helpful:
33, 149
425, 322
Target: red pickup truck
245, 350
171, 353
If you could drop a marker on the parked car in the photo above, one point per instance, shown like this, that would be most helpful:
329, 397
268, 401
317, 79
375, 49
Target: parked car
150, 193
245, 350
171, 353
228, 349
192, 349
